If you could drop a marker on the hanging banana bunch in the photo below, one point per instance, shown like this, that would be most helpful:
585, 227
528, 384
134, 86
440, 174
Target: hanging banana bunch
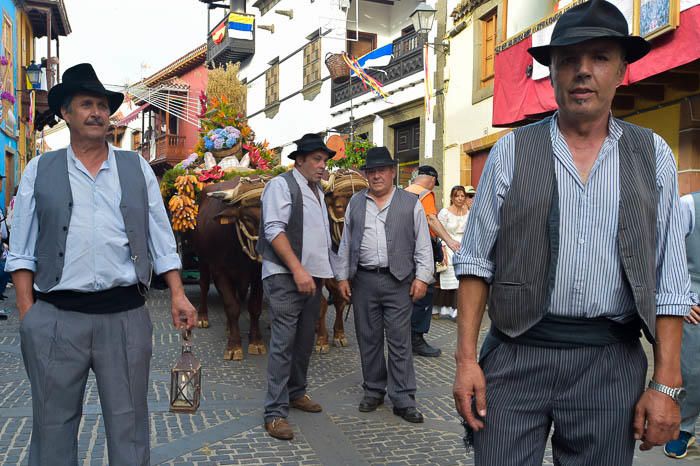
182, 205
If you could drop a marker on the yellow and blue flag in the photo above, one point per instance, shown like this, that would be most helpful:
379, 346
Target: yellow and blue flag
240, 26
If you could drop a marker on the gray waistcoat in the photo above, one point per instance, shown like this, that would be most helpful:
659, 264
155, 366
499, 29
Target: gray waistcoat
692, 247
295, 225
54, 204
399, 230
528, 238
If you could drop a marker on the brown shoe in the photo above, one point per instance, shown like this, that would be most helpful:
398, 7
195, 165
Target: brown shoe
279, 428
305, 403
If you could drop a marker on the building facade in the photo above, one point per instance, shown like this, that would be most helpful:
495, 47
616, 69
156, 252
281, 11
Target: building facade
290, 90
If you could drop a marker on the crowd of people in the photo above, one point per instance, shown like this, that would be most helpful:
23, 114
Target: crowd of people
576, 239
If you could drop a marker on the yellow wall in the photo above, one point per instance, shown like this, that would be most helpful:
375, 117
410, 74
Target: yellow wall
665, 122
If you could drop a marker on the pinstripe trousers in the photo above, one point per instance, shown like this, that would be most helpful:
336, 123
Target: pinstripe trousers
293, 318
382, 304
586, 394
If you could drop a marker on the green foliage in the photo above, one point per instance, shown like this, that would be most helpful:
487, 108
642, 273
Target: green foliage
167, 184
355, 155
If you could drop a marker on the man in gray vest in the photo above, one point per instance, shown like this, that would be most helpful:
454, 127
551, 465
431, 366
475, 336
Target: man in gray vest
690, 351
385, 250
89, 226
576, 231
295, 245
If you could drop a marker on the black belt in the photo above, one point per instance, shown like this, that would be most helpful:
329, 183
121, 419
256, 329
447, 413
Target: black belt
374, 269
118, 299
565, 332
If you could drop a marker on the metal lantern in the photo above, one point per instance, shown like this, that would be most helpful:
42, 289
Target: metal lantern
423, 17
186, 379
34, 75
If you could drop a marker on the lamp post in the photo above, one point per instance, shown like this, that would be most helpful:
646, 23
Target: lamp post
423, 18
34, 75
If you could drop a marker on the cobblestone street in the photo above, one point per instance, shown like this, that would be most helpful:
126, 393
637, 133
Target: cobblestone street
228, 427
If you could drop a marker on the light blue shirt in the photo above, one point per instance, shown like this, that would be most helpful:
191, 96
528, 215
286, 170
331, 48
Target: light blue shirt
277, 207
97, 253
589, 280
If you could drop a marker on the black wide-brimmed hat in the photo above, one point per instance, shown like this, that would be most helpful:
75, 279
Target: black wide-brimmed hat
81, 78
597, 19
310, 143
378, 157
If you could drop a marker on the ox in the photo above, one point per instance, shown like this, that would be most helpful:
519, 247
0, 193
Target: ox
225, 237
339, 188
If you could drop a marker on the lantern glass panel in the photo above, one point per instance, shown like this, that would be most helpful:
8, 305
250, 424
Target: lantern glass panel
422, 18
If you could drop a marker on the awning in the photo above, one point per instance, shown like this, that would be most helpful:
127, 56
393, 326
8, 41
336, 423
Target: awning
517, 98
132, 116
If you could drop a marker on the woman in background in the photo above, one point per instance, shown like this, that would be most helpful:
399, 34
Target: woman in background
454, 218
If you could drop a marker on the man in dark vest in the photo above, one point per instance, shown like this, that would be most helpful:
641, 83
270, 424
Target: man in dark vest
89, 226
690, 362
576, 231
295, 245
385, 251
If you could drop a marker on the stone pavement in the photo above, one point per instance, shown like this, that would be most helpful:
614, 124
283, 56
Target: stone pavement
228, 427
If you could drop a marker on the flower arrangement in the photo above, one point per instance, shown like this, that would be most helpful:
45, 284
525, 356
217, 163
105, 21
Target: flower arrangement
4, 61
355, 155
261, 156
222, 138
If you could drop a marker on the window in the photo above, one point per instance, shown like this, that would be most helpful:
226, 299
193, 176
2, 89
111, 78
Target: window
312, 62
360, 43
488, 46
272, 88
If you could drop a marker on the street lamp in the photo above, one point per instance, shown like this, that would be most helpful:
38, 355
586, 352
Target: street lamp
423, 17
34, 75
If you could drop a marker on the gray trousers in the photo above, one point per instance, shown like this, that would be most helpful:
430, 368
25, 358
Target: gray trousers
587, 394
59, 349
382, 305
293, 318
690, 368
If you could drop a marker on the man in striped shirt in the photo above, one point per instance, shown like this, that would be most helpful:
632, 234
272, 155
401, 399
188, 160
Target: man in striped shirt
575, 239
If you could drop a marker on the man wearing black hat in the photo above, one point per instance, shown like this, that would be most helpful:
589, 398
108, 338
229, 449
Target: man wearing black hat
88, 229
422, 186
385, 252
576, 229
295, 244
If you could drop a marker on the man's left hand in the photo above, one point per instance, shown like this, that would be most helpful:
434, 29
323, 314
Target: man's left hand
657, 419
418, 289
184, 313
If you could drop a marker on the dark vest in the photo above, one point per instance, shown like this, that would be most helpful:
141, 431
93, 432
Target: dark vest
295, 225
54, 205
528, 237
399, 230
692, 247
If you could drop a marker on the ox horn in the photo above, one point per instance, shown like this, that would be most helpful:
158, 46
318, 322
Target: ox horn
226, 195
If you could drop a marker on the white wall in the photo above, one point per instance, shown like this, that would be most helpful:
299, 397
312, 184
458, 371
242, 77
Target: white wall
524, 13
297, 116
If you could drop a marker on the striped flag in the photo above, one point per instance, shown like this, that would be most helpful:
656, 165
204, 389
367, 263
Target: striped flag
219, 33
240, 26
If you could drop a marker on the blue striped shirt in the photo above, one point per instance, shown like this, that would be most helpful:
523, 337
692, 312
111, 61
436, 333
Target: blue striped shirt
590, 280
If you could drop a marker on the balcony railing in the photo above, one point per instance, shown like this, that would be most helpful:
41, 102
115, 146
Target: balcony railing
229, 50
407, 60
170, 146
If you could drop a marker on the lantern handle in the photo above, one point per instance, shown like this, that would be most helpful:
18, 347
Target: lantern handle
186, 333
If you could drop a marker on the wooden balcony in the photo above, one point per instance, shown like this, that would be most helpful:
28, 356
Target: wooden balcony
229, 50
407, 60
168, 147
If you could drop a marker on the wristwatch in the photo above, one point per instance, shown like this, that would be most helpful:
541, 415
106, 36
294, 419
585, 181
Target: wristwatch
678, 393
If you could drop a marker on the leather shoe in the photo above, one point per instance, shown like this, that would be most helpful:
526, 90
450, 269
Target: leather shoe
369, 404
422, 348
305, 403
410, 414
279, 428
